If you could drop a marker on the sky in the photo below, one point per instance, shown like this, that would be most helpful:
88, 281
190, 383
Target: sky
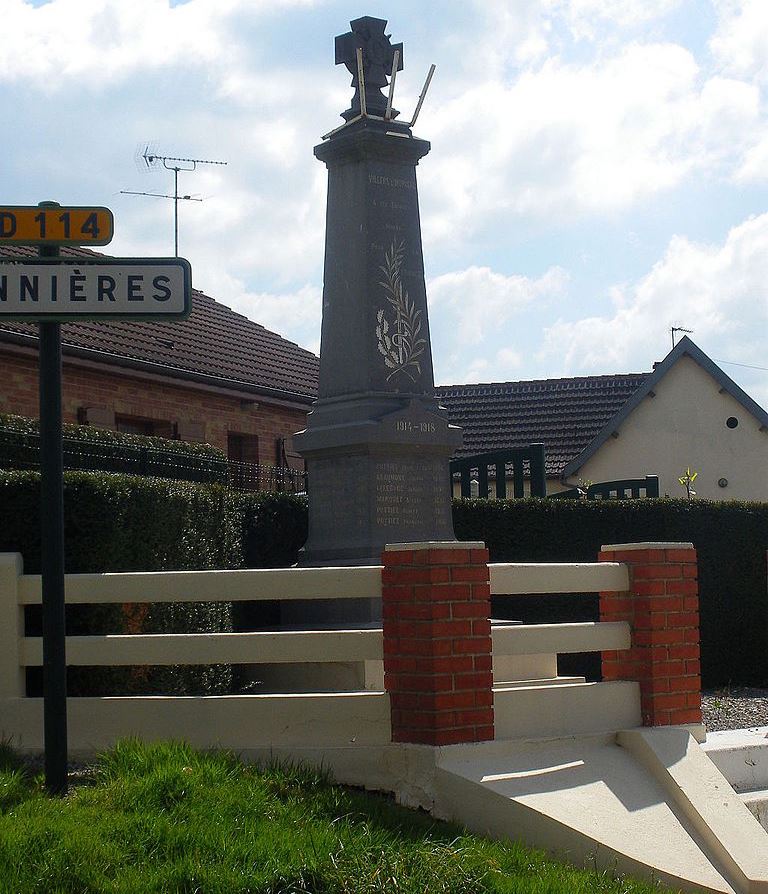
598, 171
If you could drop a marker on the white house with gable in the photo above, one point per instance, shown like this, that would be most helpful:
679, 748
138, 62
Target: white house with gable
687, 413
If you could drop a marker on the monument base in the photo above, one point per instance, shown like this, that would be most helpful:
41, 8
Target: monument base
380, 476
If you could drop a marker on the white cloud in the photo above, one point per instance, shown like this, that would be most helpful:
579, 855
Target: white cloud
93, 44
101, 41
740, 43
718, 291
483, 300
511, 33
565, 140
754, 166
587, 16
469, 313
508, 359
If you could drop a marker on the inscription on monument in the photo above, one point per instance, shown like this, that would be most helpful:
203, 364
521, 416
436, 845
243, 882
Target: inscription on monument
407, 490
391, 182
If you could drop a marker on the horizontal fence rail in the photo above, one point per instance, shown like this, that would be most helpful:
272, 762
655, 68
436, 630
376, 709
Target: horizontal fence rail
258, 476
536, 639
21, 450
310, 646
282, 647
213, 586
513, 579
507, 579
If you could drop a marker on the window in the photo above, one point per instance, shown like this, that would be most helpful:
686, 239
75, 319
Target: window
242, 448
243, 455
138, 425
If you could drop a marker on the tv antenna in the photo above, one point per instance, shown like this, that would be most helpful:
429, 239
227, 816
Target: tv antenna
152, 161
674, 329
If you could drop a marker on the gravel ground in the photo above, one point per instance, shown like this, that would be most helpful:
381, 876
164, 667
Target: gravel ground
734, 708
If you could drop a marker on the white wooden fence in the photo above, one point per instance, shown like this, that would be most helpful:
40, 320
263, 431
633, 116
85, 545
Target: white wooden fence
524, 660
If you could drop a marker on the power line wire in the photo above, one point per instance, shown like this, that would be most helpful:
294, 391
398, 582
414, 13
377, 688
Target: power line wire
745, 365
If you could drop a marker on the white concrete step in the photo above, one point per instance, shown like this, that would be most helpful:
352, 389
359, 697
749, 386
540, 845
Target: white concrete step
654, 807
742, 757
525, 711
757, 803
536, 681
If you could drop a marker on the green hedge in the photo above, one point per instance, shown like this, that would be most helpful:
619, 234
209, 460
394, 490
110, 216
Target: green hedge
116, 522
89, 448
123, 523
731, 539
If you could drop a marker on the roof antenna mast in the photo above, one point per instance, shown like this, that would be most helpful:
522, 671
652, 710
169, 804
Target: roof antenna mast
675, 329
151, 161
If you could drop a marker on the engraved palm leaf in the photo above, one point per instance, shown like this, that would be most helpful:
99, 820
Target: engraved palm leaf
402, 349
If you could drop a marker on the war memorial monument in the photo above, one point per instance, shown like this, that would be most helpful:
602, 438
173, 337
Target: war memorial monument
377, 445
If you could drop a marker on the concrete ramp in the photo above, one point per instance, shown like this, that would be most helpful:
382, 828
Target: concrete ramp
647, 802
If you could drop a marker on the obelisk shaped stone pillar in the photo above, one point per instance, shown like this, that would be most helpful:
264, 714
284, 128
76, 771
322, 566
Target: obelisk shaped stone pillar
377, 445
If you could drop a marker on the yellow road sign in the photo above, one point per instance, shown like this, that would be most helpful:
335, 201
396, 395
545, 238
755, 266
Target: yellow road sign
33, 224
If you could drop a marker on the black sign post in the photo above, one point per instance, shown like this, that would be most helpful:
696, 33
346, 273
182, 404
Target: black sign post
52, 550
48, 289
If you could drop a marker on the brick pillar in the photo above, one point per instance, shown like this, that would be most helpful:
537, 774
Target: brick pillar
436, 606
662, 608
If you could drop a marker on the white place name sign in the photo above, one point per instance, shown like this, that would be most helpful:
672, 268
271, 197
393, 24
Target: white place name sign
60, 288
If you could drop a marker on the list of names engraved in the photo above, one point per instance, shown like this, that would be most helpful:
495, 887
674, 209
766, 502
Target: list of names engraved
410, 491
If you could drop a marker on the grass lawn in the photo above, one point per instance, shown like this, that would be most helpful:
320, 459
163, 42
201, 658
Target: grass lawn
164, 818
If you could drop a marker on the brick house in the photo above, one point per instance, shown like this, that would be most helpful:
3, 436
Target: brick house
216, 377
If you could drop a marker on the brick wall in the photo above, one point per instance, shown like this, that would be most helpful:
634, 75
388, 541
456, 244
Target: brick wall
662, 608
131, 394
436, 606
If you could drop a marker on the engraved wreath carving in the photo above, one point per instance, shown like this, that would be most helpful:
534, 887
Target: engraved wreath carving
399, 341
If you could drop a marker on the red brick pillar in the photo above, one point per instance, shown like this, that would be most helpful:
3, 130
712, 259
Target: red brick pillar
662, 608
436, 606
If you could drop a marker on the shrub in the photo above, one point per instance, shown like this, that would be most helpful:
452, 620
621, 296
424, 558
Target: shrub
122, 523
274, 529
730, 539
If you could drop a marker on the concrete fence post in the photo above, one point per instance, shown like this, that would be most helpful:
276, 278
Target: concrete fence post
662, 608
12, 676
436, 606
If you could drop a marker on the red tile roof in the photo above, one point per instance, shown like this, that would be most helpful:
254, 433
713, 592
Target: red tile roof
563, 414
214, 341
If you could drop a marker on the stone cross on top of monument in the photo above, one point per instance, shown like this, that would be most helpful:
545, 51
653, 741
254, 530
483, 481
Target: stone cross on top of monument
378, 58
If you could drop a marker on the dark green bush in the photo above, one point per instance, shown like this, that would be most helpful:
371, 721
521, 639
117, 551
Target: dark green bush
120, 523
90, 448
275, 528
730, 538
